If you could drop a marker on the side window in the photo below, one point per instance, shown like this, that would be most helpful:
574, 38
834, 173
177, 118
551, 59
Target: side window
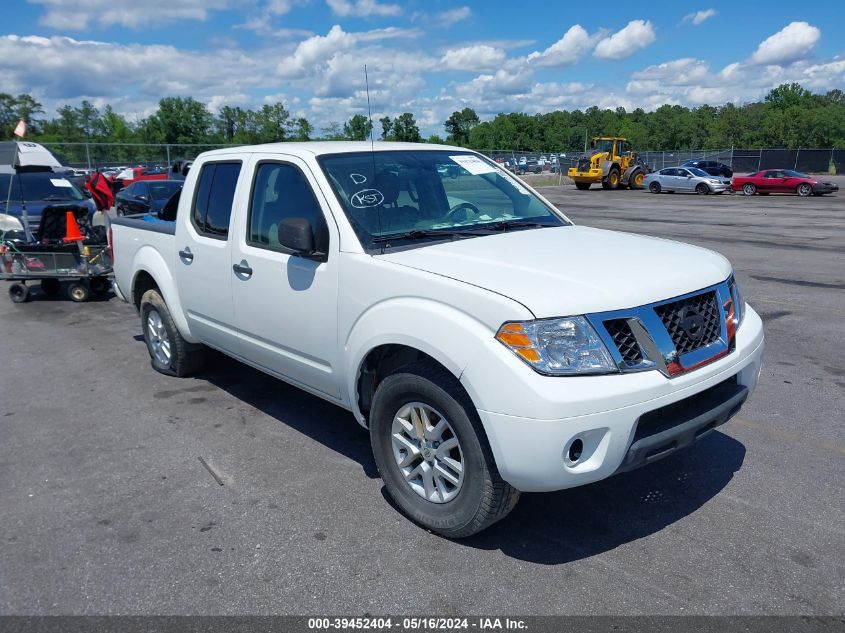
281, 191
141, 189
214, 197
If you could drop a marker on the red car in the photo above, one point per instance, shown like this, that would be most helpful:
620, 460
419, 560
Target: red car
781, 181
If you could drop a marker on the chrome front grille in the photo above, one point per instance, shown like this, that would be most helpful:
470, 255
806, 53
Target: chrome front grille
692, 322
671, 336
624, 340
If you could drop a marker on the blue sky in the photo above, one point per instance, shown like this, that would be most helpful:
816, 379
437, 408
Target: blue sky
429, 58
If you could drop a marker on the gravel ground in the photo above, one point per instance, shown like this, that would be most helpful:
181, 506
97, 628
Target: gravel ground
105, 507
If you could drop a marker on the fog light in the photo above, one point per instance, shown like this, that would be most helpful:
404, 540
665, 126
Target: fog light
575, 450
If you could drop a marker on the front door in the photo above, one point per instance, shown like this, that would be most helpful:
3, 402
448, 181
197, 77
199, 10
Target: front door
285, 304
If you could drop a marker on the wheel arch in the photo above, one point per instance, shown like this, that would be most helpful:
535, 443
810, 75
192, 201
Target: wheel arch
152, 272
401, 331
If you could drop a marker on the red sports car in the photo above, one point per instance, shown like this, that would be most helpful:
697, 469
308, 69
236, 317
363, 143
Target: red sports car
781, 181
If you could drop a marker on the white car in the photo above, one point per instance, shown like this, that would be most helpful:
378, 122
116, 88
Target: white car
489, 345
685, 179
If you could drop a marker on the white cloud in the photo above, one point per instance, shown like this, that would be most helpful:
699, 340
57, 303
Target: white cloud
363, 8
473, 58
699, 17
452, 16
491, 87
567, 50
679, 72
65, 68
625, 42
80, 14
790, 44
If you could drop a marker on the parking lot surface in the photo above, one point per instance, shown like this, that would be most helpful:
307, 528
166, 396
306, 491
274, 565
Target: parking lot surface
106, 507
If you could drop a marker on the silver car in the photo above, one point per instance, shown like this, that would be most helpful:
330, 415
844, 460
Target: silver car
688, 179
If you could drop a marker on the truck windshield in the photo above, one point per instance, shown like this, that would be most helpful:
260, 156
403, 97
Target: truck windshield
38, 186
418, 196
603, 145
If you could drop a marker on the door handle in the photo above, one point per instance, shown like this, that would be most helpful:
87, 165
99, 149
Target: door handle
242, 268
186, 255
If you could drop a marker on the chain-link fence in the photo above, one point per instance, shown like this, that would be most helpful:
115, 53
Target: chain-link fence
818, 161
106, 155
112, 155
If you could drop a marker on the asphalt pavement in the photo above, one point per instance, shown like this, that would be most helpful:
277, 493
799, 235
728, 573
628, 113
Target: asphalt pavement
106, 507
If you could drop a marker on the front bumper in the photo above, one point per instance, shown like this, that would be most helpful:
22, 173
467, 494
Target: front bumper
592, 175
531, 421
825, 187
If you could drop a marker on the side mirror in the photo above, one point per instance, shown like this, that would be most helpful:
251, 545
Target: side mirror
297, 235
86, 193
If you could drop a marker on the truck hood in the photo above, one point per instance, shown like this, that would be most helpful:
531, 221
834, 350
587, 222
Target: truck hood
570, 270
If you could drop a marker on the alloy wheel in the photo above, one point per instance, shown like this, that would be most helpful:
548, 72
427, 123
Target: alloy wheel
158, 338
427, 452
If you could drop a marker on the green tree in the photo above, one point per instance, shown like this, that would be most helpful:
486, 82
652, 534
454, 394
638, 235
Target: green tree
405, 128
459, 125
357, 128
386, 128
180, 120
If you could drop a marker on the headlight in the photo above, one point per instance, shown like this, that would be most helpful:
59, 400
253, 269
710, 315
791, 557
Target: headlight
739, 306
559, 347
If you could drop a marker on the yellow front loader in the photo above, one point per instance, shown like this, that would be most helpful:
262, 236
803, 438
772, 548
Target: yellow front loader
610, 162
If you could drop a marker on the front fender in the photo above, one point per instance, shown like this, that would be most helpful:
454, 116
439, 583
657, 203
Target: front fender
448, 335
148, 259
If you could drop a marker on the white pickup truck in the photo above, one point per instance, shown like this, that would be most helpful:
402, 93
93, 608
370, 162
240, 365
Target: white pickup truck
488, 344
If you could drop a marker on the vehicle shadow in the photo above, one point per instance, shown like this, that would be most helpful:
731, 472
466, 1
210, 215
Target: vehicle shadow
574, 524
549, 528
322, 421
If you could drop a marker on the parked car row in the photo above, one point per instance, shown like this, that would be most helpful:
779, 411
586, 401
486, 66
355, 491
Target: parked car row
715, 177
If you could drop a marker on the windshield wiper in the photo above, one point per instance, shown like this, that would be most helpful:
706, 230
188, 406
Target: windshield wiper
55, 198
505, 225
417, 234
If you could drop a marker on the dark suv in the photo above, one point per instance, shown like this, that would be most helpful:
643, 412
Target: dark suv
711, 167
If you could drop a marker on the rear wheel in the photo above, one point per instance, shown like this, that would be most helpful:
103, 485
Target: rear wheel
170, 354
50, 287
78, 291
18, 293
702, 189
433, 455
654, 187
749, 189
804, 190
583, 186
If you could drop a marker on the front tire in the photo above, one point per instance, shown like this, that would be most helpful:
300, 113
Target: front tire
702, 189
804, 190
635, 181
654, 187
170, 354
749, 189
19, 293
612, 180
433, 455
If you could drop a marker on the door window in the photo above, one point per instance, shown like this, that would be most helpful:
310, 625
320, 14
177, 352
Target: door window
214, 197
281, 191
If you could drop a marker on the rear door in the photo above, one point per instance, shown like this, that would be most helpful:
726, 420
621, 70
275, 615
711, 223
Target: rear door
203, 267
285, 305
